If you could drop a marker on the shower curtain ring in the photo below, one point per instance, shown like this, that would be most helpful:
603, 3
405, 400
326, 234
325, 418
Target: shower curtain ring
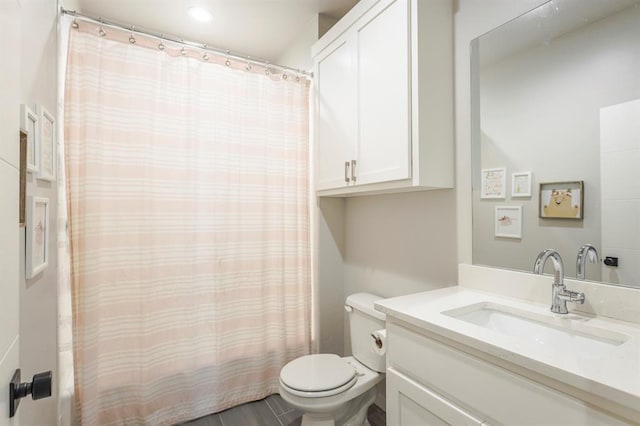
101, 31
205, 56
75, 25
132, 39
161, 45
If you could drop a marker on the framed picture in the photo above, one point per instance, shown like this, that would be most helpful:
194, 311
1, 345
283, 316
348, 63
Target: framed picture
508, 221
22, 202
29, 123
47, 159
521, 184
561, 200
493, 183
37, 236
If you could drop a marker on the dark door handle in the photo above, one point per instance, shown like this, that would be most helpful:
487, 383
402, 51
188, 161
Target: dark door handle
39, 387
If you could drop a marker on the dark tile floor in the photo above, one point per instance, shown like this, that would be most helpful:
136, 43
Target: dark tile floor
271, 411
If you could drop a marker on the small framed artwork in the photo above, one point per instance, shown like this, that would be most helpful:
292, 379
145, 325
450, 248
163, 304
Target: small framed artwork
493, 183
561, 200
508, 222
521, 184
37, 236
29, 123
47, 169
22, 202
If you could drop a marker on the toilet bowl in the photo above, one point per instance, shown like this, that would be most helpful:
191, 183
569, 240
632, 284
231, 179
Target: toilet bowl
331, 390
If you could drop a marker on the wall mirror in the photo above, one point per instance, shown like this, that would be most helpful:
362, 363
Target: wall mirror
556, 138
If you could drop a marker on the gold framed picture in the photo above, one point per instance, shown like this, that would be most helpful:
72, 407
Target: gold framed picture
562, 200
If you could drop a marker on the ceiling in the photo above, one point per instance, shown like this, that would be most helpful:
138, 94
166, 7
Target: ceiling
257, 28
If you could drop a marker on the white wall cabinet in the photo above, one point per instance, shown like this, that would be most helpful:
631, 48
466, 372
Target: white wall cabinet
384, 99
335, 108
470, 390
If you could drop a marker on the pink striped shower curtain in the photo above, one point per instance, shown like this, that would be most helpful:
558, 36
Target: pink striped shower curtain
188, 189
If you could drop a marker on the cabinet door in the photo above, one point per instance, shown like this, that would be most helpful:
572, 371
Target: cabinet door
410, 404
383, 76
336, 113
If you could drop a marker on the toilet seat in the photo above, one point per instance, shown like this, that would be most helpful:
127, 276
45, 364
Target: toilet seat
319, 375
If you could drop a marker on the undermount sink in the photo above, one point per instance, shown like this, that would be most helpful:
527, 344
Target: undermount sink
552, 331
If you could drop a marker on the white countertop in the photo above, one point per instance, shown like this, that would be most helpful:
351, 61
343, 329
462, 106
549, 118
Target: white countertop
614, 375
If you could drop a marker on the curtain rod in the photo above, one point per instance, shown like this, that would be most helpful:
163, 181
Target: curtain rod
161, 36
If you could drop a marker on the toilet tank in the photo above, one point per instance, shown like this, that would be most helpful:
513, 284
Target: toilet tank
364, 320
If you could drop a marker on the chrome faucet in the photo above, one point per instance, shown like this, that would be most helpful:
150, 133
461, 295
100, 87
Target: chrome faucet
559, 293
586, 251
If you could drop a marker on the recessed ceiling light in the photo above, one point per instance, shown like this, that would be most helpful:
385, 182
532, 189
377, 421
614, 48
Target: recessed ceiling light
200, 14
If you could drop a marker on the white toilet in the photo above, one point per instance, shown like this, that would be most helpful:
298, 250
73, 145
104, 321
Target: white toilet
330, 390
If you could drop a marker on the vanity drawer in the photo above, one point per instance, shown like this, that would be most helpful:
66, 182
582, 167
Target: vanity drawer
497, 395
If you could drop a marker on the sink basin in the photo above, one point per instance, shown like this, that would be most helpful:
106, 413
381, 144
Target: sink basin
554, 332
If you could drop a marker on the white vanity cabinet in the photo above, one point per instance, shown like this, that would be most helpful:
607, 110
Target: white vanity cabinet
433, 383
384, 99
410, 403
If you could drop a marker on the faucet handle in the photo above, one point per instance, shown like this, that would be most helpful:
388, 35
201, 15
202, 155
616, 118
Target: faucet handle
572, 296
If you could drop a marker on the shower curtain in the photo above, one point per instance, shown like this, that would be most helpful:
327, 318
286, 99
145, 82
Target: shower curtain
188, 218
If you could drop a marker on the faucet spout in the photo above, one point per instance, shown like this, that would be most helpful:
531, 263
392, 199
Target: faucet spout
559, 294
558, 265
587, 251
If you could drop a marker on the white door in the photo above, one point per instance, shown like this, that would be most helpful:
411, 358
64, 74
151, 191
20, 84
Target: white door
336, 114
384, 139
409, 404
9, 184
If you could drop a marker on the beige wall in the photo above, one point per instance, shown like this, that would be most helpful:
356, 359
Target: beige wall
297, 55
38, 300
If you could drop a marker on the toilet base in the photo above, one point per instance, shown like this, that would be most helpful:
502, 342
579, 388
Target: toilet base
354, 413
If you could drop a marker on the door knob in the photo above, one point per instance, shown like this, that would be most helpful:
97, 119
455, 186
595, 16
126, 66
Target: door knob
39, 387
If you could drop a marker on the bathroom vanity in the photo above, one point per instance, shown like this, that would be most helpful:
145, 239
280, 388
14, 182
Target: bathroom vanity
489, 351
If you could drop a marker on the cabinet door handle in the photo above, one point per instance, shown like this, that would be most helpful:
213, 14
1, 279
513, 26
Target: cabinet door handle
353, 170
346, 171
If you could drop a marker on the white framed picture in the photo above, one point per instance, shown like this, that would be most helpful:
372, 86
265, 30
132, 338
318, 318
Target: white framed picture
493, 183
37, 236
521, 184
47, 159
29, 123
508, 222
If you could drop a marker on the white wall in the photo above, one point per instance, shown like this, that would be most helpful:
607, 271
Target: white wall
38, 300
9, 178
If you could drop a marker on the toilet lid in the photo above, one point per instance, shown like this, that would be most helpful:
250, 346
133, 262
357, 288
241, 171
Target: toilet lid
315, 373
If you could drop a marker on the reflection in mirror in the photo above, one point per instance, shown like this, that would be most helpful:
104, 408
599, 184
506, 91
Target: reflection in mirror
556, 92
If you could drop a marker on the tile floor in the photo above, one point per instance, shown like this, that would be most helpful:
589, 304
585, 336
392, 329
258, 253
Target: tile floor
271, 411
